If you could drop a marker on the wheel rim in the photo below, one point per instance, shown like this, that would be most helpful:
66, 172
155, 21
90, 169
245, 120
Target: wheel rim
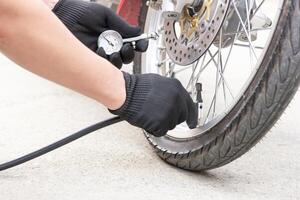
221, 70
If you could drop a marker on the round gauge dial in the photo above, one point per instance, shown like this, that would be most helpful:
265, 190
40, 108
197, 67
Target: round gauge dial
110, 41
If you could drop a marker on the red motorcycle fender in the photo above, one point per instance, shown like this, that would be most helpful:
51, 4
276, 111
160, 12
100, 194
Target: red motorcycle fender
130, 10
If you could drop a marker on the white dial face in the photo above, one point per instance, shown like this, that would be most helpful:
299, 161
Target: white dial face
110, 41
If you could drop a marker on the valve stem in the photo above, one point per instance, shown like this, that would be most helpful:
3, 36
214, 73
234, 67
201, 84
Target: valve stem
199, 99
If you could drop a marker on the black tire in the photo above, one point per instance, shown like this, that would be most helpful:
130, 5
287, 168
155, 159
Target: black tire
267, 96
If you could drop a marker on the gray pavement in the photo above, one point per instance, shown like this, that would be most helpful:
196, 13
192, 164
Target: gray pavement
118, 163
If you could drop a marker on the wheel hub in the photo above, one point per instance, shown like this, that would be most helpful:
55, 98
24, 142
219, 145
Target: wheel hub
188, 35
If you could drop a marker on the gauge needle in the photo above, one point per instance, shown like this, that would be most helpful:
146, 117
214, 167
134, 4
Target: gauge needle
109, 42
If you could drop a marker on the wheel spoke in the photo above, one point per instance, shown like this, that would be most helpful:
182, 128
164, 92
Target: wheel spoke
249, 29
171, 73
222, 76
224, 89
216, 81
221, 67
218, 71
245, 45
245, 29
258, 7
202, 68
231, 47
192, 78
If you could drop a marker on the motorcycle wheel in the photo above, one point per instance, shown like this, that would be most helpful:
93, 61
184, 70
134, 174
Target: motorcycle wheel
256, 105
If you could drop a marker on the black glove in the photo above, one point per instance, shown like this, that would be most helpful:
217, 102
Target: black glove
157, 104
87, 20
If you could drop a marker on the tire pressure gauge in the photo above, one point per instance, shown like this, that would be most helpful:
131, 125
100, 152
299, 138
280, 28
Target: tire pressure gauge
112, 42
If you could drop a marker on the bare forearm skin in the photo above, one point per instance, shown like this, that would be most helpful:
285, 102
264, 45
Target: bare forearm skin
35, 39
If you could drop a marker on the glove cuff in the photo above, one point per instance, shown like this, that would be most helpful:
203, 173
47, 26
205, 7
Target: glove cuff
137, 90
70, 11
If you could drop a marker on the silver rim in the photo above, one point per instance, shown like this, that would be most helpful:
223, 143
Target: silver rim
224, 70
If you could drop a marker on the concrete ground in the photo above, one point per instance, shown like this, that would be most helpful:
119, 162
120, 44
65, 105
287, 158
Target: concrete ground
118, 163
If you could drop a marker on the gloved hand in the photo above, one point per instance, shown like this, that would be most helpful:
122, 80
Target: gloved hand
87, 20
157, 104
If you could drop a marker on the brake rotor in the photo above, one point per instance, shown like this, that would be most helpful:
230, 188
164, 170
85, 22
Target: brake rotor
188, 37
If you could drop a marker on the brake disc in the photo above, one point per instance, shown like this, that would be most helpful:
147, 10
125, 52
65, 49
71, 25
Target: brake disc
188, 37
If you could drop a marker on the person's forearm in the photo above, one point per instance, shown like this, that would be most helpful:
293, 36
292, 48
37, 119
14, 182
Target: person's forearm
35, 39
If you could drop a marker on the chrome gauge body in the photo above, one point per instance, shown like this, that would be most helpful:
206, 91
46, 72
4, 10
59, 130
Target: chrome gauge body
111, 41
